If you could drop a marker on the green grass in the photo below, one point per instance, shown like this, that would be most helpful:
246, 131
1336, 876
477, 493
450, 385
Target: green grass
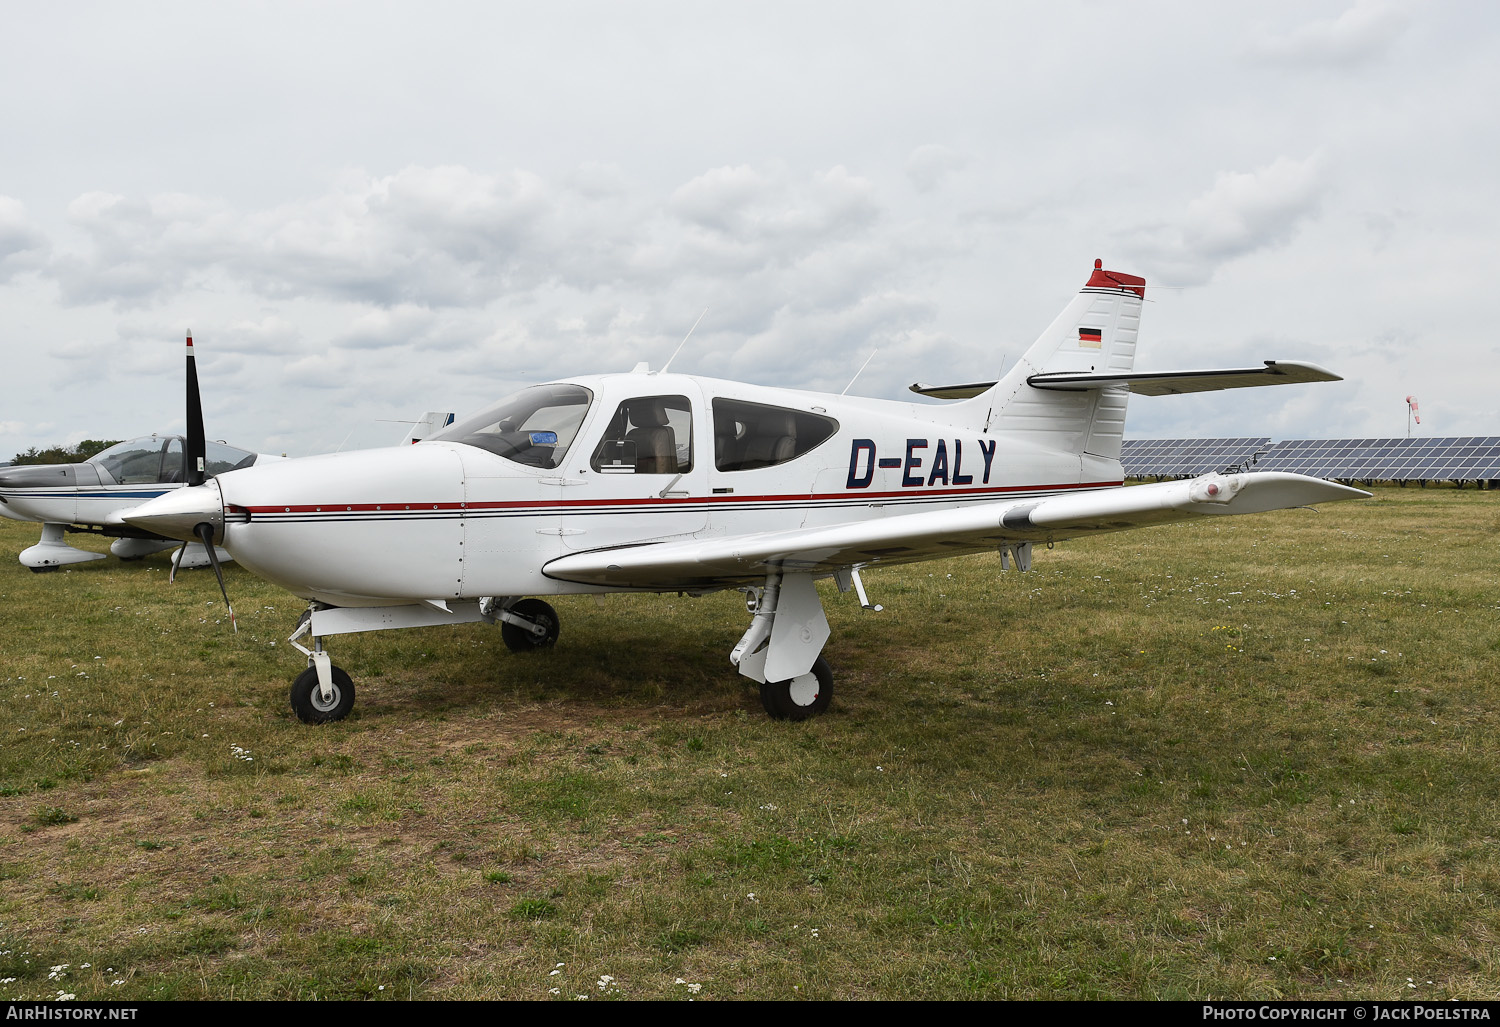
1252, 758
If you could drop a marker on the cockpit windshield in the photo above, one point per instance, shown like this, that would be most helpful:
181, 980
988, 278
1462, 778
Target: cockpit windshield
534, 426
159, 459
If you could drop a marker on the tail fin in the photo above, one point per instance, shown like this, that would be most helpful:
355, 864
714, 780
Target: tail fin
1095, 332
431, 423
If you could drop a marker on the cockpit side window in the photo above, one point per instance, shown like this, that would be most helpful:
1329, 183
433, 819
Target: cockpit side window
533, 427
220, 458
647, 435
752, 435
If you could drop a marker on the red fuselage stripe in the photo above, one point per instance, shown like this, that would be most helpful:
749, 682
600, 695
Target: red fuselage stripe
955, 494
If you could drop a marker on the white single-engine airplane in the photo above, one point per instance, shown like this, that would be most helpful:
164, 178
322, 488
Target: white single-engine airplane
648, 482
92, 496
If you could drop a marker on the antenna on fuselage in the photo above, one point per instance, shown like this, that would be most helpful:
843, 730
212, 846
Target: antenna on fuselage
683, 343
860, 371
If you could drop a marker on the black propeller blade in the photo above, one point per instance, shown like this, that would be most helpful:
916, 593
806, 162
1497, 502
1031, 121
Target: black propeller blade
197, 446
205, 533
197, 457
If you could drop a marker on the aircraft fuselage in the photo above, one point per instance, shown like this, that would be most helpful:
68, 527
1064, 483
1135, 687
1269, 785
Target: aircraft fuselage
450, 520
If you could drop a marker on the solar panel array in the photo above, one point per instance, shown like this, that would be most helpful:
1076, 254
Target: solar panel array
1451, 459
1463, 458
1178, 458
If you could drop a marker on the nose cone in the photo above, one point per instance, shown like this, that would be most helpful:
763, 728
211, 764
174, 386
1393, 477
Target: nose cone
177, 513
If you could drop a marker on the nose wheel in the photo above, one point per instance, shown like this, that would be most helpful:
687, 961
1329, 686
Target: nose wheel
309, 703
324, 693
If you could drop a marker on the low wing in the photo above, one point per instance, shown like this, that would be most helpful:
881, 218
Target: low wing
709, 564
1154, 383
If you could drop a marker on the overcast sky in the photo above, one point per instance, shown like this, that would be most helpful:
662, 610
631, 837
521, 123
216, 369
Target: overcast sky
364, 211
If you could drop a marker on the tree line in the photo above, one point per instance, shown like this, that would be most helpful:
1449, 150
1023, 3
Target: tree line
64, 454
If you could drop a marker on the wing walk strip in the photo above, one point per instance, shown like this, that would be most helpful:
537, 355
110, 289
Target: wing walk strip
610, 507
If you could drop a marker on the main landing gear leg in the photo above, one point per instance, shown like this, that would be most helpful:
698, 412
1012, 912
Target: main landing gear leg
783, 646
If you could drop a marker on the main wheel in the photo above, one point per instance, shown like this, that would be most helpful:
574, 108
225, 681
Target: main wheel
801, 697
307, 697
518, 639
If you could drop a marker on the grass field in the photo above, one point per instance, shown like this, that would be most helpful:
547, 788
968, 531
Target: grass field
1253, 758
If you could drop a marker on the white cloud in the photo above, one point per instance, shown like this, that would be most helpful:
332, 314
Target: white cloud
420, 260
1243, 213
1362, 33
387, 327
719, 199
930, 164
139, 250
452, 237
443, 236
740, 220
271, 335
22, 244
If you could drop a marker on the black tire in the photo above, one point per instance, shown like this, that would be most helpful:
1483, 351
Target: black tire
46, 570
518, 639
307, 698
781, 702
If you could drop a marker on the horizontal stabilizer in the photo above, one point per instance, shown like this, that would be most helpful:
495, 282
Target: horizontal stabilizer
952, 391
714, 563
1157, 383
1172, 383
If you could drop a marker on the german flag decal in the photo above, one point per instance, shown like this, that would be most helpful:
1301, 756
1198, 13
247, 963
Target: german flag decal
1091, 338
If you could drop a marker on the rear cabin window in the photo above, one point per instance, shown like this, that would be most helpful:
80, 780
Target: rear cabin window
750, 435
647, 435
